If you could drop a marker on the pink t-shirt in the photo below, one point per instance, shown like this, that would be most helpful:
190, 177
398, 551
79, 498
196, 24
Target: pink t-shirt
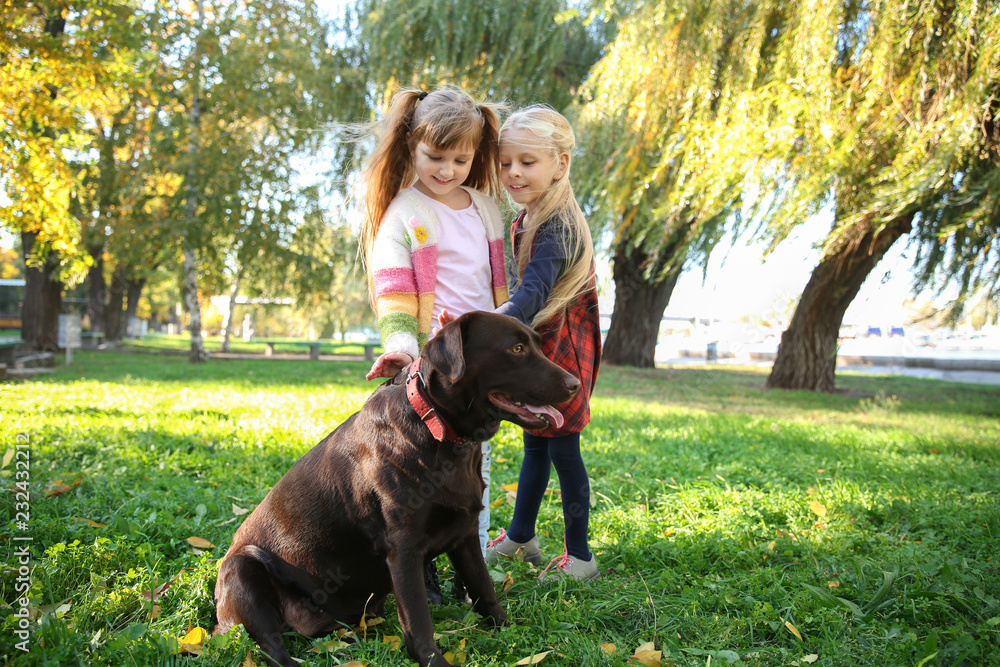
463, 265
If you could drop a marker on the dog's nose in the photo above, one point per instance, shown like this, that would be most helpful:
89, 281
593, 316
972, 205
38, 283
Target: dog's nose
572, 384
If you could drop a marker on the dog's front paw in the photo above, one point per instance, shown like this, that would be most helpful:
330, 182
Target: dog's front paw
497, 619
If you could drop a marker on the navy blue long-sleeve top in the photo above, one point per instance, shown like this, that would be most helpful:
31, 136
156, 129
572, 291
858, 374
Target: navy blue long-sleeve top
547, 262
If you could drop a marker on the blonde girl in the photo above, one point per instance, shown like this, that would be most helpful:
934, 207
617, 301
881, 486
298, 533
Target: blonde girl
432, 235
555, 292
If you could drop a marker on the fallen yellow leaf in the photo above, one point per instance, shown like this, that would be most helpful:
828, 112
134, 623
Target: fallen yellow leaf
355, 663
793, 630
833, 584
533, 659
193, 642
498, 502
89, 522
811, 658
249, 661
811, 491
818, 508
647, 655
200, 542
57, 487
609, 648
394, 640
239, 511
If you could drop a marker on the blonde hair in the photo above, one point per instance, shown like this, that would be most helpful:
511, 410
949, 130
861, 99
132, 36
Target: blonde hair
443, 119
552, 134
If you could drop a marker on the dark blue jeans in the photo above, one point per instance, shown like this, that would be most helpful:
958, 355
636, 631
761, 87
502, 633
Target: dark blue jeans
540, 454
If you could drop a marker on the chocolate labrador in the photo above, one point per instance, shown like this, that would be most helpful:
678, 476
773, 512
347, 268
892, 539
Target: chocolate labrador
396, 484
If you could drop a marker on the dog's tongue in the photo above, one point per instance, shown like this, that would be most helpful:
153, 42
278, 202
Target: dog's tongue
554, 416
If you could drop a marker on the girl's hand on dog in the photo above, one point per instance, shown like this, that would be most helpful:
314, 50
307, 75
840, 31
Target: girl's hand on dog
388, 364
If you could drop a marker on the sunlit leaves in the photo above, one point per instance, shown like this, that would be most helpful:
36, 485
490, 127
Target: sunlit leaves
60, 72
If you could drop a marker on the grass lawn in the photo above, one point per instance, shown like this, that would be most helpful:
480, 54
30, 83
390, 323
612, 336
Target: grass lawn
734, 525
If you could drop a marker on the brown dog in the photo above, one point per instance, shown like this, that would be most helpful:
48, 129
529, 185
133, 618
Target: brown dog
392, 487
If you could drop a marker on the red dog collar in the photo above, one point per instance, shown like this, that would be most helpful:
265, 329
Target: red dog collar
416, 393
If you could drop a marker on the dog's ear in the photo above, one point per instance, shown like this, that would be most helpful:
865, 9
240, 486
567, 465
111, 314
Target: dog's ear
445, 353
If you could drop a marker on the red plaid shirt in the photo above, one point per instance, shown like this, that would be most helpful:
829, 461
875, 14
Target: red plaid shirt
572, 339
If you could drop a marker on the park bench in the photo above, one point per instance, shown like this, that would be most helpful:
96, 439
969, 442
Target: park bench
7, 348
91, 339
314, 347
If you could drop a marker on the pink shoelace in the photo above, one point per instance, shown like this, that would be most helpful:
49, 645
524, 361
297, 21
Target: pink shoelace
561, 561
497, 540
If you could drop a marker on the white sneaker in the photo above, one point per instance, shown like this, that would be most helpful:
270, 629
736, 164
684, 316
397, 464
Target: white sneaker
566, 565
503, 546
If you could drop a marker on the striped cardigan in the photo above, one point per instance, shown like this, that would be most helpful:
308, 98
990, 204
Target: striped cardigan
404, 268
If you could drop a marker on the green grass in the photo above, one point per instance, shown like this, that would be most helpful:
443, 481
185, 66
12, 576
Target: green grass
723, 516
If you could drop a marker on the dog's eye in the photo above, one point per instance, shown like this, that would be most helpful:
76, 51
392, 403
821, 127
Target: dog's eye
518, 349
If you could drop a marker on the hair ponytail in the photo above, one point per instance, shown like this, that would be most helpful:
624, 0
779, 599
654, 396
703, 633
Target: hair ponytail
389, 167
484, 175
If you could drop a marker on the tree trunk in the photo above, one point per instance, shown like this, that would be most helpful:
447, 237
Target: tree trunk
133, 292
807, 355
96, 290
116, 300
42, 300
639, 306
191, 302
193, 307
228, 331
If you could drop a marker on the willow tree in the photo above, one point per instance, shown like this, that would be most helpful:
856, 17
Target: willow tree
519, 51
892, 105
664, 157
960, 232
